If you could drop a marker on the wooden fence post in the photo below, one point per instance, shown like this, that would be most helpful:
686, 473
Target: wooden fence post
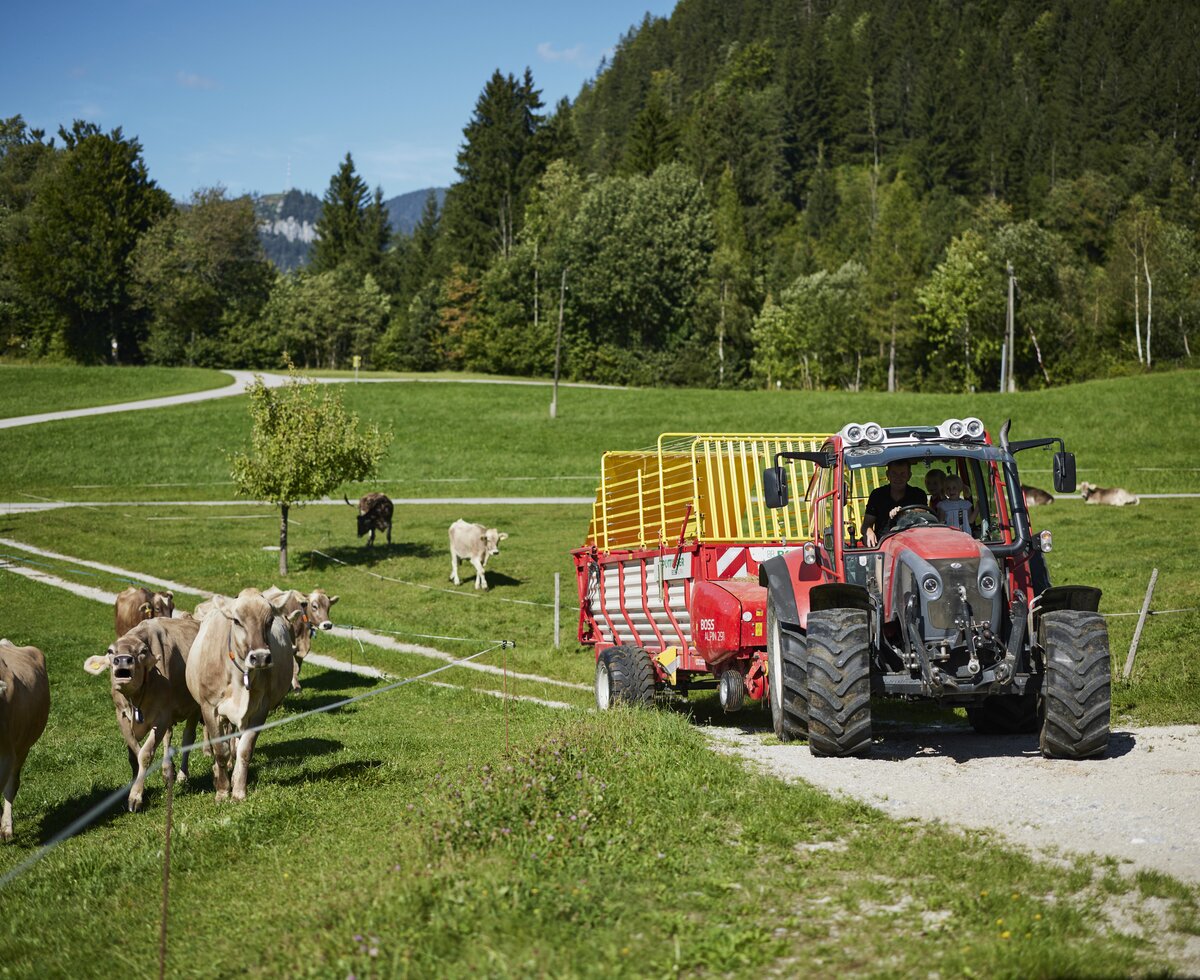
1137, 633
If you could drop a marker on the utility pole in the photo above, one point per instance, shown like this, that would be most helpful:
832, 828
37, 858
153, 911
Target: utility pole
562, 294
1012, 381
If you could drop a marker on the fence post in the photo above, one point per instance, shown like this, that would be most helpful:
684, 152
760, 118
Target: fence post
557, 595
1137, 633
166, 878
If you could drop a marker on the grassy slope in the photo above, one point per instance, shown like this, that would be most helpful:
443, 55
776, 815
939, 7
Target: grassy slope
1126, 432
327, 834
31, 390
539, 843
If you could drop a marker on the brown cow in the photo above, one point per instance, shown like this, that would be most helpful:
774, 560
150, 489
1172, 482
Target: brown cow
314, 615
148, 667
374, 514
239, 668
1115, 496
1035, 497
24, 708
135, 604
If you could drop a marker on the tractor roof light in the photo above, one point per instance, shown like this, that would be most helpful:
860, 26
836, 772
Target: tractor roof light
969, 429
856, 433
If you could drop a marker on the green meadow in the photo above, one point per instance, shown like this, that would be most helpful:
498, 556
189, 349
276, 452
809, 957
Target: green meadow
26, 390
440, 831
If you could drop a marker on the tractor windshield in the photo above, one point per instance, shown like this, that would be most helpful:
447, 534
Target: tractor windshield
974, 476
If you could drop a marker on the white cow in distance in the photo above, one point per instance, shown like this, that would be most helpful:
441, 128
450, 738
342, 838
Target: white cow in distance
475, 543
1115, 496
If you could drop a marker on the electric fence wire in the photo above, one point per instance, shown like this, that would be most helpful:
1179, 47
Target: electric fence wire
432, 588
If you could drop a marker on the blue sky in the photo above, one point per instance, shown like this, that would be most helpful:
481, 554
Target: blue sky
235, 93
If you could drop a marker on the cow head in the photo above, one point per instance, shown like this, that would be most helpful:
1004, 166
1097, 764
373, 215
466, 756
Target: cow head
129, 661
250, 617
163, 604
318, 609
492, 539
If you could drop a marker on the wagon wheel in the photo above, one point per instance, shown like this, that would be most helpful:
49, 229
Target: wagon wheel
624, 674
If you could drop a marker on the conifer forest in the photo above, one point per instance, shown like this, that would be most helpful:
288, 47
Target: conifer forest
825, 194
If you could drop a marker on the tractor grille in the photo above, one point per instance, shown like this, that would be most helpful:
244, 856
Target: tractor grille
941, 612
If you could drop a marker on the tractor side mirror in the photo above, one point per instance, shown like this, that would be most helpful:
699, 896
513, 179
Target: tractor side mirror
775, 487
1064, 472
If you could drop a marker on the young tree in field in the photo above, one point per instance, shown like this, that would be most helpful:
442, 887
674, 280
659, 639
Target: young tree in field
303, 445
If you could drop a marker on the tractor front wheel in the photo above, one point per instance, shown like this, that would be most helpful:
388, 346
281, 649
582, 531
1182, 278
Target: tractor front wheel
1077, 689
787, 679
624, 674
839, 683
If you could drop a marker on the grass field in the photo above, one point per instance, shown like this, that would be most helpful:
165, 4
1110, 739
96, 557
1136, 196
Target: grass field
431, 831
466, 439
26, 390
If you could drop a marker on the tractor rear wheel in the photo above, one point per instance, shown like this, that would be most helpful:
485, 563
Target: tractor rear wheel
1077, 690
787, 679
1005, 714
839, 683
624, 674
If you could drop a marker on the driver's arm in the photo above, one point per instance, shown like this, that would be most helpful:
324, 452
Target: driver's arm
868, 524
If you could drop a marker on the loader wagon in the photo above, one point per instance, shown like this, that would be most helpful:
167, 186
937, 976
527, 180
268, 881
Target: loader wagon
668, 577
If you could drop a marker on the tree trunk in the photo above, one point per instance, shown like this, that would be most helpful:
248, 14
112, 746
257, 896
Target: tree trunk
892, 360
1137, 311
721, 337
535, 285
283, 525
1149, 305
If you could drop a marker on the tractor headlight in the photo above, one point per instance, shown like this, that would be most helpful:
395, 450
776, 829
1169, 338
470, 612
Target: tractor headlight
873, 432
810, 553
931, 585
1045, 541
974, 428
957, 428
987, 584
854, 433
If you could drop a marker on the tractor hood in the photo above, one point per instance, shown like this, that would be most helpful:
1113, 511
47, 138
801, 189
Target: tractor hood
941, 566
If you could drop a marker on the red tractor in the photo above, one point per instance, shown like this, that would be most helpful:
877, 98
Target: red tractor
755, 563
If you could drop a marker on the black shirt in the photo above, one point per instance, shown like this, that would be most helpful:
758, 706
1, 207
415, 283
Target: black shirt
880, 504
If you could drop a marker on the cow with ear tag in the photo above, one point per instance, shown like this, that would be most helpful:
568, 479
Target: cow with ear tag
148, 667
136, 604
314, 615
235, 671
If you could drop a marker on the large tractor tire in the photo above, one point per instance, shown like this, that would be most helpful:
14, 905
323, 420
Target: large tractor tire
839, 683
787, 679
1006, 714
624, 674
1077, 689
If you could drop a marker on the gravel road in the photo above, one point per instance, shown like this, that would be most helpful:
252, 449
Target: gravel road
1138, 804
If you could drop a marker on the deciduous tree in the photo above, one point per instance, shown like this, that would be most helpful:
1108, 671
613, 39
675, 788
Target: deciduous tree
303, 444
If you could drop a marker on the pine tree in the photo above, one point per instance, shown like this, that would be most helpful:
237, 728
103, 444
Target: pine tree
348, 231
499, 161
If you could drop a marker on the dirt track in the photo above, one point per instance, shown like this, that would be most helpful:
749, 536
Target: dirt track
1138, 804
